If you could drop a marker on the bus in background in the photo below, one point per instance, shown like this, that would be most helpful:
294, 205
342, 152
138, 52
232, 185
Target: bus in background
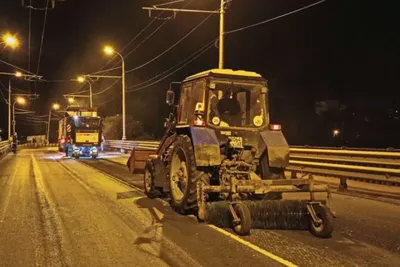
80, 129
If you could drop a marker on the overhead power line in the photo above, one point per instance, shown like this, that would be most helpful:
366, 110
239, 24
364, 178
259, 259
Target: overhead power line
16, 67
171, 47
181, 67
151, 34
192, 57
187, 60
274, 18
101, 70
29, 39
42, 38
106, 89
208, 47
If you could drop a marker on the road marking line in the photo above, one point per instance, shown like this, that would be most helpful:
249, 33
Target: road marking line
252, 246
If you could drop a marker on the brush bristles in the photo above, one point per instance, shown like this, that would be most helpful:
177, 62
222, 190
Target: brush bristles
265, 214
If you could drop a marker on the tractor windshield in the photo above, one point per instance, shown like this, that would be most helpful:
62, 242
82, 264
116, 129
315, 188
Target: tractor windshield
237, 104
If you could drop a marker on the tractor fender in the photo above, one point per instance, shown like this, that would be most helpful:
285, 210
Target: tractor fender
275, 144
206, 146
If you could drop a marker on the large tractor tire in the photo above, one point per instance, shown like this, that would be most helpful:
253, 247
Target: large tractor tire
183, 176
270, 173
152, 171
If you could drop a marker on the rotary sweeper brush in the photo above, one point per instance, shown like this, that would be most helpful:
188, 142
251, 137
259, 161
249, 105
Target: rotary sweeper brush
221, 158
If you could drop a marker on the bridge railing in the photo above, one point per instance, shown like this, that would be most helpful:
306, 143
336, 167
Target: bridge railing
381, 166
4, 148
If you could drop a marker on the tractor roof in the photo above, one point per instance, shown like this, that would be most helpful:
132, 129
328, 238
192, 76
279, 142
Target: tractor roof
225, 72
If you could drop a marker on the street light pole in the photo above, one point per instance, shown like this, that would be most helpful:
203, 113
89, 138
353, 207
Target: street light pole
110, 51
48, 127
91, 95
13, 122
55, 107
83, 79
123, 98
18, 75
9, 109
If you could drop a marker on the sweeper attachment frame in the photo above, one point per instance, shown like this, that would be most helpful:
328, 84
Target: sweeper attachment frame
222, 159
309, 214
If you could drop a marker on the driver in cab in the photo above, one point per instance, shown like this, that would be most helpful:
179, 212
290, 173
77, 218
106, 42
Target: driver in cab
228, 109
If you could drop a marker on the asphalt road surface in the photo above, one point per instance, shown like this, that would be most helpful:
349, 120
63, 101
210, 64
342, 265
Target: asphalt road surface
63, 212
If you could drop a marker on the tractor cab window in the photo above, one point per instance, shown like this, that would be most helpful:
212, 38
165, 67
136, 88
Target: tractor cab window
192, 93
235, 104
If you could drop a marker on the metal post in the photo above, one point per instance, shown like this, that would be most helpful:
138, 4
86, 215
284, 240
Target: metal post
9, 108
48, 127
221, 35
13, 112
123, 98
91, 96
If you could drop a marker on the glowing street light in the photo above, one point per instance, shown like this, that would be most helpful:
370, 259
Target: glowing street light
81, 79
18, 74
21, 100
108, 50
336, 132
56, 106
71, 100
10, 41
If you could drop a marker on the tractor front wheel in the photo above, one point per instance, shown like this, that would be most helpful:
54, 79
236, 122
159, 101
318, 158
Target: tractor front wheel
150, 173
183, 176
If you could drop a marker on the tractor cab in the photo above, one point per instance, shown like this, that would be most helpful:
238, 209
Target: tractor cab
233, 104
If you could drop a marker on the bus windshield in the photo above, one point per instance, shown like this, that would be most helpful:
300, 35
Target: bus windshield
86, 123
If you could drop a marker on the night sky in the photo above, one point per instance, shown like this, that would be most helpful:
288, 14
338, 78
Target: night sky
338, 50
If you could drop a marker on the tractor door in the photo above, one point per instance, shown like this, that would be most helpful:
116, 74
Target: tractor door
192, 93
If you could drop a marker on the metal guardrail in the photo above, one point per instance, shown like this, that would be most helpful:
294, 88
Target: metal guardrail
130, 145
4, 148
380, 166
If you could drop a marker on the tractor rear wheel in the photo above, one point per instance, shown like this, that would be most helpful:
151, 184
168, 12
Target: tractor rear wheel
183, 176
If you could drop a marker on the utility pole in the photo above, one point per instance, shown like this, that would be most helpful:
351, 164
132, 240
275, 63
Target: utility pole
221, 13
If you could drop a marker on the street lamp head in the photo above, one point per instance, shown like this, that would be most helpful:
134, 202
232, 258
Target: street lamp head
21, 100
81, 79
10, 40
71, 100
109, 50
18, 74
336, 132
56, 106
